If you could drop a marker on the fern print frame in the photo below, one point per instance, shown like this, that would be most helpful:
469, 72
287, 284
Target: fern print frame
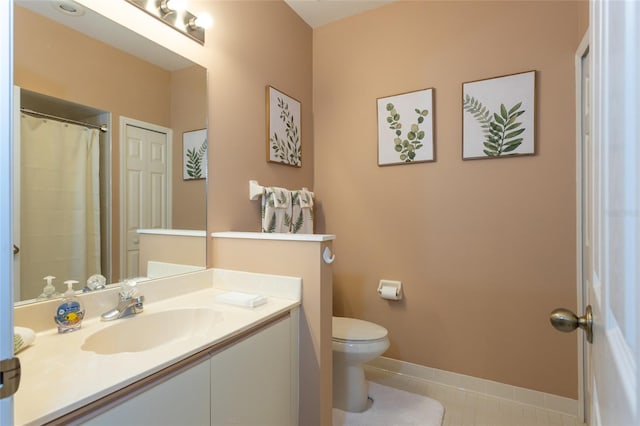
405, 128
283, 128
194, 154
498, 117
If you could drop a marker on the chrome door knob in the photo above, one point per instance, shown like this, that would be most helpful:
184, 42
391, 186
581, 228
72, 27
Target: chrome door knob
566, 321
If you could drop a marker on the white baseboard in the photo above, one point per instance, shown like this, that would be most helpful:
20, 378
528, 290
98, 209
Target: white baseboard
517, 394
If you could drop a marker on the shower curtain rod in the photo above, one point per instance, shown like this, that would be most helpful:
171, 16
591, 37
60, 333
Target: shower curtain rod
103, 127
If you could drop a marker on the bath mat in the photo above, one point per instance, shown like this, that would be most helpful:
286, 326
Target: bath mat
393, 407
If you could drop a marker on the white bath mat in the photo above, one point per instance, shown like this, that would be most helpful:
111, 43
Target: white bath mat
393, 407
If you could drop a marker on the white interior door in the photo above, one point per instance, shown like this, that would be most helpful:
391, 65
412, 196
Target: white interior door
17, 243
6, 189
612, 225
608, 66
147, 187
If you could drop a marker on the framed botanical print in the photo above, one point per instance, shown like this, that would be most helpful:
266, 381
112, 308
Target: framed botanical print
194, 157
283, 128
498, 116
405, 128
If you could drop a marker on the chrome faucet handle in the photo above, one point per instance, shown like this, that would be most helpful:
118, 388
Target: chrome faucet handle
138, 306
128, 289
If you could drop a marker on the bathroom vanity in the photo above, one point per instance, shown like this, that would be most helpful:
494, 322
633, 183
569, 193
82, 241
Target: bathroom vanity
303, 255
187, 359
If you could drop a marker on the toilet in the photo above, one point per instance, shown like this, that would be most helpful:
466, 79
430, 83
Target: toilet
354, 343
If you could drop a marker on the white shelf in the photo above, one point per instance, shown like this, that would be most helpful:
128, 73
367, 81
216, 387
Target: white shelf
179, 232
274, 236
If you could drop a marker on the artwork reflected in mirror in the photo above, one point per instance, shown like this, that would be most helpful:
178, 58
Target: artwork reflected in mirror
84, 197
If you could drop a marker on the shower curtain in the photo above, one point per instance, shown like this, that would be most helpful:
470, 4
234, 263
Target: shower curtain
60, 204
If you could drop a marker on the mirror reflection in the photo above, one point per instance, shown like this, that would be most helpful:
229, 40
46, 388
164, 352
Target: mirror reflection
116, 203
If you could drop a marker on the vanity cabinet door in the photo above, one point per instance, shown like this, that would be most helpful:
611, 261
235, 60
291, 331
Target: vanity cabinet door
181, 400
252, 382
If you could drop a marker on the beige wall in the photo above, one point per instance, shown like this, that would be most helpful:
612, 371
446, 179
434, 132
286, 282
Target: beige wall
188, 112
253, 44
433, 225
485, 249
179, 249
56, 61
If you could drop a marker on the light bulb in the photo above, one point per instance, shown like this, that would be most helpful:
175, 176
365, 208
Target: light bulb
204, 21
177, 5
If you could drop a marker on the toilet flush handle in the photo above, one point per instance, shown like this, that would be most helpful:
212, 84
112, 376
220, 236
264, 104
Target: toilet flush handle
327, 256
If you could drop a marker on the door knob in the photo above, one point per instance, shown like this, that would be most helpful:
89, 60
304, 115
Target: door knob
566, 321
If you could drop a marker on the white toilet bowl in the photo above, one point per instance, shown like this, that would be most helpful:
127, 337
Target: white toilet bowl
354, 343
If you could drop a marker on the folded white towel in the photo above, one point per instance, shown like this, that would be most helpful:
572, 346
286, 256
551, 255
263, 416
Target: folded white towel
302, 212
305, 198
276, 210
22, 337
241, 299
281, 197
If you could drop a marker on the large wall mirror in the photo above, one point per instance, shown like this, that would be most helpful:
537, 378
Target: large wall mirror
85, 195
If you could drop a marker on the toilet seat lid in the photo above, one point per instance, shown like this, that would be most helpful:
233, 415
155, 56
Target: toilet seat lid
355, 329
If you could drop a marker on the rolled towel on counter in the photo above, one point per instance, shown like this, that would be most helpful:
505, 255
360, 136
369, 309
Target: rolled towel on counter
22, 337
241, 299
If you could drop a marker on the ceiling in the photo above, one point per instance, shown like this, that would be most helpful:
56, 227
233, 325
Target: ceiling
320, 12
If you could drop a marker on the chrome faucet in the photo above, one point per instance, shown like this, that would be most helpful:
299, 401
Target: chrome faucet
127, 305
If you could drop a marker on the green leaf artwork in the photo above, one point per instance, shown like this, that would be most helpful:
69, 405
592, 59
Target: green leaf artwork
298, 223
500, 129
271, 227
287, 150
406, 147
195, 160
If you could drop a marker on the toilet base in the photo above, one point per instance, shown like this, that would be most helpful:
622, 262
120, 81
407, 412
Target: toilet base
350, 388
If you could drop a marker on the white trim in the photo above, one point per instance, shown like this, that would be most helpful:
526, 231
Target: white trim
178, 232
274, 236
107, 117
582, 50
517, 394
124, 122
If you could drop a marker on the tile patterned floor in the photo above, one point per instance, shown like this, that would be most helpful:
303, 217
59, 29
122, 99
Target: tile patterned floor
464, 408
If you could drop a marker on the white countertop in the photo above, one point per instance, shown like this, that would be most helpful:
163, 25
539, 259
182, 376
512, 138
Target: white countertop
59, 377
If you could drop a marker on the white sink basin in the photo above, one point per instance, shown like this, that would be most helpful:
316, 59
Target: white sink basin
146, 331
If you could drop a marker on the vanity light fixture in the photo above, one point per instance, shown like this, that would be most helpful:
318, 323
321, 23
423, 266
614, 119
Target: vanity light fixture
175, 14
171, 6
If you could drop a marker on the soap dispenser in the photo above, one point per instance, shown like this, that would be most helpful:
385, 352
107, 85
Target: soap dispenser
70, 312
49, 291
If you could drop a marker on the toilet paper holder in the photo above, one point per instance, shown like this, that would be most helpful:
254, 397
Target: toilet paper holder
390, 290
